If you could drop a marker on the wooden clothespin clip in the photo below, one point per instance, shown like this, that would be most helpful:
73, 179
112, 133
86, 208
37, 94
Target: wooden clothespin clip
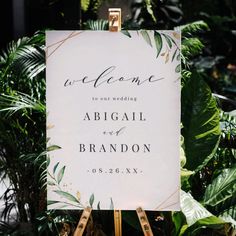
114, 19
83, 221
118, 223
147, 231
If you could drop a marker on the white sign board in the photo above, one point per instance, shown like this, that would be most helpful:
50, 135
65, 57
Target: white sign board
113, 103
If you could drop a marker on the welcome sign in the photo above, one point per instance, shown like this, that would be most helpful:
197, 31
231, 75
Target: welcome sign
113, 108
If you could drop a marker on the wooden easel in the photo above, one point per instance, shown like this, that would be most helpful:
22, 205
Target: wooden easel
115, 26
83, 221
147, 231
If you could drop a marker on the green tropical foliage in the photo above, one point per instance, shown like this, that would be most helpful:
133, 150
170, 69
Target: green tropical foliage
201, 121
22, 104
222, 187
155, 14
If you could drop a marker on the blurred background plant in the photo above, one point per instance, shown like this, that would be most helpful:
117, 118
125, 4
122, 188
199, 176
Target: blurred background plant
208, 150
22, 130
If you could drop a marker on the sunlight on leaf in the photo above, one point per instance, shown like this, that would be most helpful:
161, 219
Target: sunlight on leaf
192, 209
149, 9
197, 216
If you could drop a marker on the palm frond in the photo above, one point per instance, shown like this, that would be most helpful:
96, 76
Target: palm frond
29, 61
9, 54
38, 39
25, 57
96, 25
19, 101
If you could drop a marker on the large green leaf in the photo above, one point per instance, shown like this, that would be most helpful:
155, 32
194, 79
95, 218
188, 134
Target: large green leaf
222, 188
179, 221
192, 209
212, 222
197, 216
200, 118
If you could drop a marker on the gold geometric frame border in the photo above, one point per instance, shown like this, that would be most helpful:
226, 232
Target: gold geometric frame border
60, 43
163, 205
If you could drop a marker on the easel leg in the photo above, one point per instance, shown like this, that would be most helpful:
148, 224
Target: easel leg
147, 231
118, 222
83, 221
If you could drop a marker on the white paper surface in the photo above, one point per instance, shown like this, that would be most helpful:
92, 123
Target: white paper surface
114, 109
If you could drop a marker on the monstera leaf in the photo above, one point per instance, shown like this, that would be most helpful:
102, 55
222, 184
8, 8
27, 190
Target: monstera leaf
200, 118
